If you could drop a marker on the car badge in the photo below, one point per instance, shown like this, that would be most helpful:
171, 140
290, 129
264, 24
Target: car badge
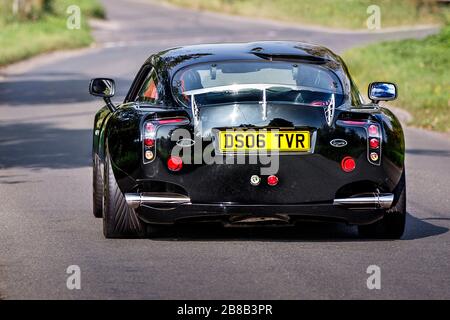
185, 142
338, 143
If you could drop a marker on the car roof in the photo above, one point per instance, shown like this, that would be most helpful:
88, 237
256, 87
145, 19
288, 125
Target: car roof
175, 58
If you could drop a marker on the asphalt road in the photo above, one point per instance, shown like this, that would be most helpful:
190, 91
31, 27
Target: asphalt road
46, 222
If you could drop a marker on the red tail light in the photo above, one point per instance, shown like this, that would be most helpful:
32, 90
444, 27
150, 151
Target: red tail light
374, 143
348, 164
175, 163
272, 180
149, 142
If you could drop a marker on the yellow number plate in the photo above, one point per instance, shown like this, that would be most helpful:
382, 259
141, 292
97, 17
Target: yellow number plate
264, 140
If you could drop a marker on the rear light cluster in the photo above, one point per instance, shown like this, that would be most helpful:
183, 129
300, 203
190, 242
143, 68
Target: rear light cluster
374, 144
373, 139
149, 140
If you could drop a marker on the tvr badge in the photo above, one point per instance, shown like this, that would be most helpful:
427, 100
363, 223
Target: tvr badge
185, 142
338, 143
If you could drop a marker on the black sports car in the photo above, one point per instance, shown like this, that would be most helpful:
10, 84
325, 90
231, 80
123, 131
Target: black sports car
244, 133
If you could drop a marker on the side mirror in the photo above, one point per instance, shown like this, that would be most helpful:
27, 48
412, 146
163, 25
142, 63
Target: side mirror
382, 91
105, 88
102, 87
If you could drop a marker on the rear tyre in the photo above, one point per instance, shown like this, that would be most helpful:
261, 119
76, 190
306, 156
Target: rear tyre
97, 188
392, 225
119, 220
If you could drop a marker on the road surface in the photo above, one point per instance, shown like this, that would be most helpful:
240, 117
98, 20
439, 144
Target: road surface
46, 224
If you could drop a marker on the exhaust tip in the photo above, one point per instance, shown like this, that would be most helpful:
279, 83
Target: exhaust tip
133, 200
367, 201
386, 201
136, 200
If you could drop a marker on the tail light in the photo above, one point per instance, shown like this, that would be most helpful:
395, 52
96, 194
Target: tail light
374, 143
150, 127
149, 155
174, 163
374, 156
373, 130
272, 180
348, 164
149, 135
149, 141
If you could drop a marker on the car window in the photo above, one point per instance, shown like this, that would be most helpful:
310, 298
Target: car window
276, 82
150, 91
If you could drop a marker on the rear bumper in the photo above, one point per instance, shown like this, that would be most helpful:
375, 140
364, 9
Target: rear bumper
228, 212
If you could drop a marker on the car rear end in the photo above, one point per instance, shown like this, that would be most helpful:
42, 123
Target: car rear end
287, 147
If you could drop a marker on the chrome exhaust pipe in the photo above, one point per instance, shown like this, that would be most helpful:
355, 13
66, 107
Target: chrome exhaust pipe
135, 200
375, 200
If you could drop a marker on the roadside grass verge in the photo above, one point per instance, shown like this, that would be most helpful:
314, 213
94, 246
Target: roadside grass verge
43, 29
350, 14
420, 68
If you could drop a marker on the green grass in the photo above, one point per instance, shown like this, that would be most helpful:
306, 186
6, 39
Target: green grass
89, 8
350, 14
44, 30
420, 68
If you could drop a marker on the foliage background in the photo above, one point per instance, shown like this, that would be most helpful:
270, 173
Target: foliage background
332, 13
30, 27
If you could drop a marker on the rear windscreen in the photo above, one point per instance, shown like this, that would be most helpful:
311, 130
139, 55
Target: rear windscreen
248, 82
